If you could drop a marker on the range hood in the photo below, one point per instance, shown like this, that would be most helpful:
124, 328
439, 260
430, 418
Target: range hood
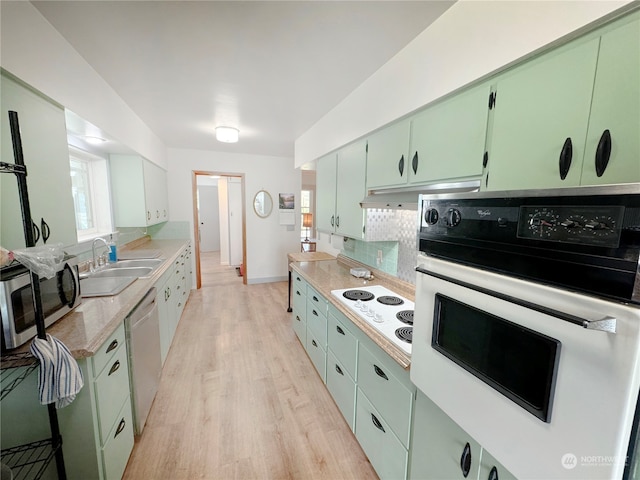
407, 198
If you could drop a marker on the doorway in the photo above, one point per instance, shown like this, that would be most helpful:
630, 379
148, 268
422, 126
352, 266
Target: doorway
230, 219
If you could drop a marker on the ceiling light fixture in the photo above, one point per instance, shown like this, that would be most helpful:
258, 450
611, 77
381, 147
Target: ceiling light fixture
94, 140
227, 134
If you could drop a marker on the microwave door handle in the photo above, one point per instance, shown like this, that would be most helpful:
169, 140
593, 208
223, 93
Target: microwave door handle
68, 302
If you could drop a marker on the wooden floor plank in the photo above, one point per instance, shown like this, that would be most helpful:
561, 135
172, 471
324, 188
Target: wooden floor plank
239, 398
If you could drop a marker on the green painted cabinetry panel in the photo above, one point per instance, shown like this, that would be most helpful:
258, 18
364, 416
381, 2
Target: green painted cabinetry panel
385, 452
488, 463
616, 108
539, 106
342, 388
343, 343
387, 156
326, 169
299, 324
112, 389
351, 189
448, 139
119, 444
317, 322
316, 353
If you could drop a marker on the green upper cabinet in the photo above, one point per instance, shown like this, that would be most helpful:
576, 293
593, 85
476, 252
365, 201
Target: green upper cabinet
387, 158
612, 152
350, 190
340, 187
46, 156
326, 193
540, 120
448, 139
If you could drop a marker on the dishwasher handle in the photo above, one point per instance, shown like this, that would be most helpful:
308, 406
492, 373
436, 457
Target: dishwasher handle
142, 310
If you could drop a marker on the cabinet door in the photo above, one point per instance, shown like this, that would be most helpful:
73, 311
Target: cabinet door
387, 156
539, 108
155, 190
326, 193
350, 190
448, 139
46, 156
440, 449
490, 469
615, 109
127, 191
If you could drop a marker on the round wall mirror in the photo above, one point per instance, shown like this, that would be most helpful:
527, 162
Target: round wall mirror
262, 204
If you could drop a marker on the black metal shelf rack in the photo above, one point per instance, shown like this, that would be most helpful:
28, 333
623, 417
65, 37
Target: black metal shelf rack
28, 461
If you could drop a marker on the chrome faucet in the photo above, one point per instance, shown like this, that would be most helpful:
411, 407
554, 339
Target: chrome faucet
96, 262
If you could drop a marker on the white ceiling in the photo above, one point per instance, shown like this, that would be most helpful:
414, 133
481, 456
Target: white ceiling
270, 68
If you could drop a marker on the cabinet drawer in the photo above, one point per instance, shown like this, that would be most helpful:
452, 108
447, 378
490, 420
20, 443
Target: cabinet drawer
108, 350
343, 344
386, 392
299, 282
299, 298
317, 321
342, 388
299, 325
112, 388
119, 444
318, 301
385, 452
316, 353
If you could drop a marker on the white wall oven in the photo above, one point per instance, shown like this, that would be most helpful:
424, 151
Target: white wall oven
527, 325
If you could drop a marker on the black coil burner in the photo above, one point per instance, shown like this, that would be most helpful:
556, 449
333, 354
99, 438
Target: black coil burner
405, 316
390, 300
358, 295
405, 334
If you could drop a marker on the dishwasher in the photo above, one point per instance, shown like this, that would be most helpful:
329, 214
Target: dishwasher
145, 363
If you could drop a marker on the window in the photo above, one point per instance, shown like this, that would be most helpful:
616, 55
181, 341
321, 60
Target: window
306, 201
91, 199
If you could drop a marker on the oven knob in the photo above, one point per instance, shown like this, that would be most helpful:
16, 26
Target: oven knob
378, 318
453, 217
431, 216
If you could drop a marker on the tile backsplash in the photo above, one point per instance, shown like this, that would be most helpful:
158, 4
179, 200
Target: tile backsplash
395, 257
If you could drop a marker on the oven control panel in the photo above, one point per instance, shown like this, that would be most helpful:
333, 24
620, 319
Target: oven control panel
598, 226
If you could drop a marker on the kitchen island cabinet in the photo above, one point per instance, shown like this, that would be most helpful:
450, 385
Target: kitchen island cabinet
46, 156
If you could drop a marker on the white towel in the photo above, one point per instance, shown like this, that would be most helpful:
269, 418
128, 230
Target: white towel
60, 377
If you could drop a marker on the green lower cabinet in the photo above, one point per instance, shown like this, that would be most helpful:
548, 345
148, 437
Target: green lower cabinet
386, 453
342, 388
342, 343
299, 325
119, 445
317, 353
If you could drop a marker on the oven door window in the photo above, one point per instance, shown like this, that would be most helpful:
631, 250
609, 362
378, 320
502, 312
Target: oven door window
516, 361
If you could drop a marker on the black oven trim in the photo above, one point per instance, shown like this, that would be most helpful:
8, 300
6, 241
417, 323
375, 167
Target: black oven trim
567, 317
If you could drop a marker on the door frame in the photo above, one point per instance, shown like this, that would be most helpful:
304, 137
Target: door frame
196, 220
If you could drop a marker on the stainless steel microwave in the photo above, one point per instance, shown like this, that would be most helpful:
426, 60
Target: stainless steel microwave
60, 294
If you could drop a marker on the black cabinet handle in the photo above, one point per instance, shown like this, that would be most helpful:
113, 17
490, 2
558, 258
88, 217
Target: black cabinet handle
298, 292
377, 423
315, 299
313, 342
36, 233
114, 367
332, 217
603, 153
298, 318
379, 372
46, 231
121, 426
465, 460
565, 158
493, 474
339, 330
339, 370
112, 346
485, 159
298, 279
414, 163
401, 165
338, 221
314, 312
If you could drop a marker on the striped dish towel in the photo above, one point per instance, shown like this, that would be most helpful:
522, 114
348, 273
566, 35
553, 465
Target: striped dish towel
60, 377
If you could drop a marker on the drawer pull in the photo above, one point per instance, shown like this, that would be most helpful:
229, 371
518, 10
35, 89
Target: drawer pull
121, 426
315, 299
297, 292
493, 474
313, 342
380, 373
339, 370
339, 330
298, 279
465, 460
112, 346
114, 367
298, 318
315, 313
377, 423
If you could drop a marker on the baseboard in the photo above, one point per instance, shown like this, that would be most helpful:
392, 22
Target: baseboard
251, 281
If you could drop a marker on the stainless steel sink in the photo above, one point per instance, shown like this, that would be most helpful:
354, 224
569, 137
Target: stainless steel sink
143, 262
122, 272
104, 286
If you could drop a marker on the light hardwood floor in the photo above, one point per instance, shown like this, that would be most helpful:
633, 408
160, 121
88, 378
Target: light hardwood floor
239, 398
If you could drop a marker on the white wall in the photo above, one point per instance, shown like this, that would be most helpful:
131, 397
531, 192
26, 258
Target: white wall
472, 39
32, 50
268, 242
